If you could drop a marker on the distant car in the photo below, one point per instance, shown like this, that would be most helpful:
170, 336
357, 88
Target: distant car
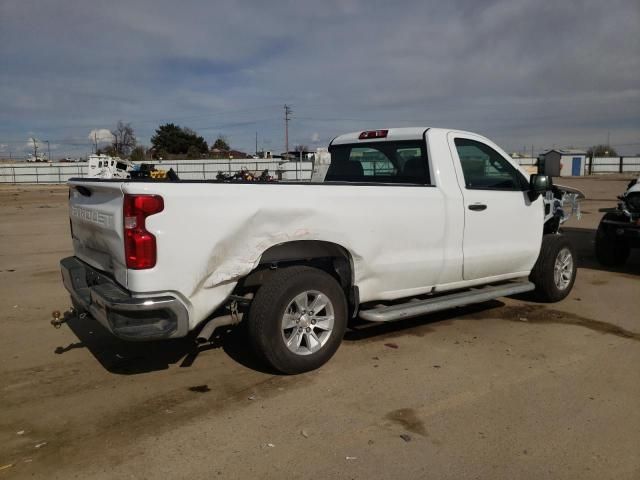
619, 229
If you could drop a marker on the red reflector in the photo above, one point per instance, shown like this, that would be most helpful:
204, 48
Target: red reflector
373, 134
139, 244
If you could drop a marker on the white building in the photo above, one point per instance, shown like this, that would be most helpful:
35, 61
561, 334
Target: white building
563, 162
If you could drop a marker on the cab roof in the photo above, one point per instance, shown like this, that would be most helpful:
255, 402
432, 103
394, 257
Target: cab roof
393, 134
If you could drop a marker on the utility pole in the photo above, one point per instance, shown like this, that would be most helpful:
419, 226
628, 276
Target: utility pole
35, 150
287, 113
608, 138
256, 144
48, 151
95, 142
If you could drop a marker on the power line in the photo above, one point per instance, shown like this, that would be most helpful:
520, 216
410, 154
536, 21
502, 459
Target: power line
147, 120
89, 141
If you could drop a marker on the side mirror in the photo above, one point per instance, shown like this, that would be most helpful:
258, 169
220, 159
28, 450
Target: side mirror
538, 184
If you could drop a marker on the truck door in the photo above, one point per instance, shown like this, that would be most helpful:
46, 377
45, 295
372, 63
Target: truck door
503, 227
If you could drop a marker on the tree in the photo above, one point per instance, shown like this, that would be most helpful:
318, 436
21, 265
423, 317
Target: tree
176, 140
161, 154
137, 154
602, 151
301, 148
193, 152
110, 150
221, 143
124, 140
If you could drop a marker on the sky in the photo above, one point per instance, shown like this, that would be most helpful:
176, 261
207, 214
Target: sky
525, 73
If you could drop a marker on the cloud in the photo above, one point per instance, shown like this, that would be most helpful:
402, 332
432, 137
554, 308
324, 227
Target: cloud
315, 138
100, 135
30, 144
519, 71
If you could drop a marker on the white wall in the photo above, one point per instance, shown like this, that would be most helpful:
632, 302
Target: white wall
612, 164
566, 163
526, 160
41, 172
23, 172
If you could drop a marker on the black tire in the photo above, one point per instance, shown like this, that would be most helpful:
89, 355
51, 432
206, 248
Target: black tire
543, 273
610, 250
267, 310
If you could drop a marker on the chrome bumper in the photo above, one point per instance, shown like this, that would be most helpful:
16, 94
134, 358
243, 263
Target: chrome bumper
126, 316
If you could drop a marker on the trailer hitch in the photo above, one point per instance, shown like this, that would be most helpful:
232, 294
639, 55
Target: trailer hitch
59, 319
56, 321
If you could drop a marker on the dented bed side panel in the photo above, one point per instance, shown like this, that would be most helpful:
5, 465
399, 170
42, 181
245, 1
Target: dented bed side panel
209, 236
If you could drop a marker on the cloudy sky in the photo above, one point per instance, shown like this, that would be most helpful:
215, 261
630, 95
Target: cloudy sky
523, 72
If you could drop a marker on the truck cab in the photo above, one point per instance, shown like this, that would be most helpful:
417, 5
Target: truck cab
469, 180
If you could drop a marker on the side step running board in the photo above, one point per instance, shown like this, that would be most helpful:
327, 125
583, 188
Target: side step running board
415, 308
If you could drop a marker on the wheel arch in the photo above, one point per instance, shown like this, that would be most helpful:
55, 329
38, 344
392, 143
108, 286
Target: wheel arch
324, 255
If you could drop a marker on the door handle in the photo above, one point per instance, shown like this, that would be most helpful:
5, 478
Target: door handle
477, 207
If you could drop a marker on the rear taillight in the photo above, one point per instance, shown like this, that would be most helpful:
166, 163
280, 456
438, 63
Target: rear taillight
139, 244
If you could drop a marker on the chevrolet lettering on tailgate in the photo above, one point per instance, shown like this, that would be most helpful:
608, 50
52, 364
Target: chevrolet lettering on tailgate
94, 216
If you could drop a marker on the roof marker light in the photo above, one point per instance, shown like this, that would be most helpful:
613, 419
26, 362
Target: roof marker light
373, 134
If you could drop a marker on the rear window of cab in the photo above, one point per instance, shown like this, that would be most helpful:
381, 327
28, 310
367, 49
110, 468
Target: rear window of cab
380, 162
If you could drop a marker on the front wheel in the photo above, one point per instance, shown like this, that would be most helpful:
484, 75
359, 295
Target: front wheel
297, 319
555, 270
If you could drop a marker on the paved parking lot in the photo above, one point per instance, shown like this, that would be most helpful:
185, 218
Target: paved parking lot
505, 389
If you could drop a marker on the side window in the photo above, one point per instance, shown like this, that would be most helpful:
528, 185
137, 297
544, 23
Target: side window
486, 169
100, 164
379, 162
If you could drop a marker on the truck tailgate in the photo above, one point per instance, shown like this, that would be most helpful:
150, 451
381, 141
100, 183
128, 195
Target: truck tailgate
95, 212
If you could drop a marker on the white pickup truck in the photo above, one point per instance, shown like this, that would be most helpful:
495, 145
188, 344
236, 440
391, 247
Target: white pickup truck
407, 221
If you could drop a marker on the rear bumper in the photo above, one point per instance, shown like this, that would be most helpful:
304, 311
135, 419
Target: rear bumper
126, 316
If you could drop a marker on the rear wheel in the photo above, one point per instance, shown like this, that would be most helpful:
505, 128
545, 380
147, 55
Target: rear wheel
297, 320
555, 270
611, 251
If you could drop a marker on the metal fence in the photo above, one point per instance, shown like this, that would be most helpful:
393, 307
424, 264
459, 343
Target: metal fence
42, 173
48, 173
613, 165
